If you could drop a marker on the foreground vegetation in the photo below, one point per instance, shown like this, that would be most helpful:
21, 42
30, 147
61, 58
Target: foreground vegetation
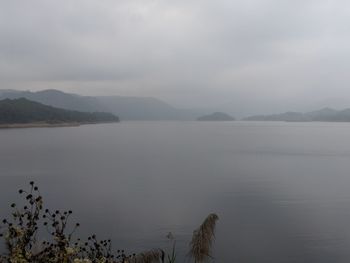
21, 234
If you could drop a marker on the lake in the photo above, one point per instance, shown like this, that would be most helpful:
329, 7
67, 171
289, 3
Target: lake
281, 190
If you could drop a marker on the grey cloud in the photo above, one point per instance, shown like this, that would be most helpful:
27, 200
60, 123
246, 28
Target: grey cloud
239, 56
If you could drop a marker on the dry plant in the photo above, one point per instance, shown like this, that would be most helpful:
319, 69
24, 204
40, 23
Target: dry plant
171, 257
151, 256
20, 233
202, 239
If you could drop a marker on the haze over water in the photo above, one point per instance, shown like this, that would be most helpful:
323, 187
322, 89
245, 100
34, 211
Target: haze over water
280, 189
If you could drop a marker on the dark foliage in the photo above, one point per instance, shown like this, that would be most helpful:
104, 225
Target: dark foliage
20, 233
21, 111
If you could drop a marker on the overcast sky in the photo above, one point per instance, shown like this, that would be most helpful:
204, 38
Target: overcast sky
244, 57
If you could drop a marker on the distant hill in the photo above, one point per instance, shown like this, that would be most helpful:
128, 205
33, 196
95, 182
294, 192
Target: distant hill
127, 108
22, 111
216, 116
57, 99
326, 115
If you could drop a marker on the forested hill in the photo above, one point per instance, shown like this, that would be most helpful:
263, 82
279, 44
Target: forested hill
18, 111
127, 108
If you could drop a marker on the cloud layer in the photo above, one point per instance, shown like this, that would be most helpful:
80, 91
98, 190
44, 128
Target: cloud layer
240, 56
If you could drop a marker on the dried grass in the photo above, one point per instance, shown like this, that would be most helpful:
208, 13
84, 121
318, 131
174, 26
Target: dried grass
202, 239
151, 256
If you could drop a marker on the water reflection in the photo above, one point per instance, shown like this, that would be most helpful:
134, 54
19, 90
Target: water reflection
281, 190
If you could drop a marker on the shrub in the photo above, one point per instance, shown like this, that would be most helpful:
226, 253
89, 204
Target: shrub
21, 235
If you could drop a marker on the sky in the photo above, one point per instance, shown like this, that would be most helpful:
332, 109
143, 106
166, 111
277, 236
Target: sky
242, 57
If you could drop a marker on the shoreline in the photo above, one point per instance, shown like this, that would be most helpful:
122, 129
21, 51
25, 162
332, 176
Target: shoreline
46, 125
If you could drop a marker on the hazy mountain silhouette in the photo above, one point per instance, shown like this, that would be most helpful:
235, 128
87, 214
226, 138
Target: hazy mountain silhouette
216, 116
127, 108
325, 114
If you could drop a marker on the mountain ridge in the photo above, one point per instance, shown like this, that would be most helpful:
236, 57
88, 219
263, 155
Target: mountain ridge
127, 108
325, 114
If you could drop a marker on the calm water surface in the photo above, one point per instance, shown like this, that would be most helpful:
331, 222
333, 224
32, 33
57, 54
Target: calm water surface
282, 190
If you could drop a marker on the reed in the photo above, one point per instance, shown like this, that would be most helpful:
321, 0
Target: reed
202, 239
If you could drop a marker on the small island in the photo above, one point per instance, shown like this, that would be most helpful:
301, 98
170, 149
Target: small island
22, 113
216, 116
